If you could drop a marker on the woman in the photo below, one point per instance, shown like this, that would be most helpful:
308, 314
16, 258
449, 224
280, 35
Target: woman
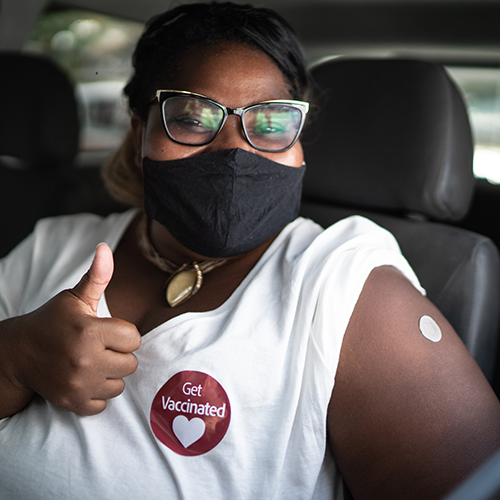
224, 312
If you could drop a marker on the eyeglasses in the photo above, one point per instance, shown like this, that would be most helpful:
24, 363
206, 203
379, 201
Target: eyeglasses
195, 120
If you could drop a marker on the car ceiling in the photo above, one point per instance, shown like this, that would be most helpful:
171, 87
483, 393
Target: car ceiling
441, 29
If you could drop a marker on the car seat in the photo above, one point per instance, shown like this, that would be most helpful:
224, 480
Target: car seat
39, 139
391, 140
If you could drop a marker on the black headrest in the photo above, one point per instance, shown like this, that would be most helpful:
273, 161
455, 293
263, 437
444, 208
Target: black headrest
390, 135
39, 116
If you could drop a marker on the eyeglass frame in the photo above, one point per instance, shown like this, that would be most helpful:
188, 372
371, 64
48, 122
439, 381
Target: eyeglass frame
302, 106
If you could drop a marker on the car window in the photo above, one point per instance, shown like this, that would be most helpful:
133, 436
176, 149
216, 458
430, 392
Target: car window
95, 50
481, 90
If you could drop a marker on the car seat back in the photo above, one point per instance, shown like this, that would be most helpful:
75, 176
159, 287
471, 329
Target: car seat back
38, 139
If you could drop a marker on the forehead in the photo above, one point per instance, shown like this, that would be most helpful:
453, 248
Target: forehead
232, 74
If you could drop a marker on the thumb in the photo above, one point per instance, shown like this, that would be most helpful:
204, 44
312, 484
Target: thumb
94, 282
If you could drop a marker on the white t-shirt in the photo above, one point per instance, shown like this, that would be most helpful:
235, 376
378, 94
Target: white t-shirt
229, 403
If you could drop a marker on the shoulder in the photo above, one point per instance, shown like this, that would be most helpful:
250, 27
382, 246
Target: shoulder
347, 252
69, 239
54, 257
330, 273
83, 226
66, 241
346, 234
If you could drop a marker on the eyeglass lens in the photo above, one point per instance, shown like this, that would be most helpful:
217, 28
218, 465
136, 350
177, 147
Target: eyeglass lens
195, 121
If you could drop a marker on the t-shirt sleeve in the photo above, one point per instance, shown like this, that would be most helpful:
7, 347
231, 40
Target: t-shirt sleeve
53, 258
14, 275
359, 246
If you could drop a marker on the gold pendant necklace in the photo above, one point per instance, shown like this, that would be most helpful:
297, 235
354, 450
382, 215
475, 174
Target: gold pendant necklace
185, 280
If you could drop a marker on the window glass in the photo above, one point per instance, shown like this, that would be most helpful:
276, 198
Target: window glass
481, 89
95, 50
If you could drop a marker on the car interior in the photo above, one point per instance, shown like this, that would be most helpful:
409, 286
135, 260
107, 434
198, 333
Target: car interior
404, 129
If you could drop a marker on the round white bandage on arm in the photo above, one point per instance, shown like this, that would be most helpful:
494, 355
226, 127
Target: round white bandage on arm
430, 329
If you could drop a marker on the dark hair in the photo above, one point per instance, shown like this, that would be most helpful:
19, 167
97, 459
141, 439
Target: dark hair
168, 36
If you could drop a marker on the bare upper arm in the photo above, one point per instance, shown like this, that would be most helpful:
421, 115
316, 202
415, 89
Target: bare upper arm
408, 417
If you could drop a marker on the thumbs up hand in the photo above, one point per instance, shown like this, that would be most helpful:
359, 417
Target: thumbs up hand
94, 282
64, 352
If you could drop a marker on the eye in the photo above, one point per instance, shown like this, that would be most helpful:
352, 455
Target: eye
194, 122
270, 127
270, 123
192, 115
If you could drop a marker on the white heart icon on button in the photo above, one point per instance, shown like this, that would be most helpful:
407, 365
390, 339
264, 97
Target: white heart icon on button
188, 431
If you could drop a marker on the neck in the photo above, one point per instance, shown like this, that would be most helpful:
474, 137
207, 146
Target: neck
169, 248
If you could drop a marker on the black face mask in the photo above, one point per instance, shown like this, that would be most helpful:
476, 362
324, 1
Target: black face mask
224, 203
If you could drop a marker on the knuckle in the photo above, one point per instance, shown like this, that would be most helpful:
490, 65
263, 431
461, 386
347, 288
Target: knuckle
128, 365
79, 364
96, 407
92, 407
63, 404
133, 363
69, 402
118, 389
76, 398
